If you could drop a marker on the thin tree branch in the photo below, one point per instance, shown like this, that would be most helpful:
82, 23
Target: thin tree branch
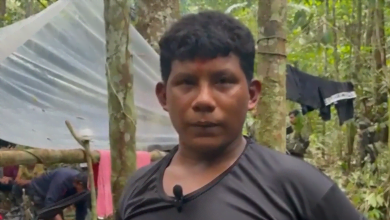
43, 5
84, 142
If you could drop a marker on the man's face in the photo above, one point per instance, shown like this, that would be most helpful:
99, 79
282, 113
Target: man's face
207, 100
292, 119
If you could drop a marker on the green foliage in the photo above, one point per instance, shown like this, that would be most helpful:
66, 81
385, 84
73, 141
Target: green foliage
312, 36
17, 9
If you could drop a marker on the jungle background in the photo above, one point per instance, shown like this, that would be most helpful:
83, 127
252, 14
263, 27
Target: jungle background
335, 39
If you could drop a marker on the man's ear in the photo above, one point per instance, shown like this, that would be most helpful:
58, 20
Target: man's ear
254, 93
161, 94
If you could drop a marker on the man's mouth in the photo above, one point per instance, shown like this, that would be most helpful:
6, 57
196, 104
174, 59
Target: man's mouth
204, 124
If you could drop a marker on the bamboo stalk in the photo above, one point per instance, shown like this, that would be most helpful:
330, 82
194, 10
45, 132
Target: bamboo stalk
44, 156
10, 157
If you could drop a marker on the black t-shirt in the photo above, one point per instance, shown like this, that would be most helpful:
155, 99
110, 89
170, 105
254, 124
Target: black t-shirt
261, 185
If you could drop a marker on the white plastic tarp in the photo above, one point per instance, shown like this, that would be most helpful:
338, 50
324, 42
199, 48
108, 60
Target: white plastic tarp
52, 69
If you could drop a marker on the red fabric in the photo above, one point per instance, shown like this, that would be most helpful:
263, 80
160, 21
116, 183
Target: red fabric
104, 195
11, 171
102, 179
143, 158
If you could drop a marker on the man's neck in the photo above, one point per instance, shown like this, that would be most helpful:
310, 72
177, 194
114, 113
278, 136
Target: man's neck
187, 156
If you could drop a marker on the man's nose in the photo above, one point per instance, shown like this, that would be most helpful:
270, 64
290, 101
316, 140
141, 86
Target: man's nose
204, 101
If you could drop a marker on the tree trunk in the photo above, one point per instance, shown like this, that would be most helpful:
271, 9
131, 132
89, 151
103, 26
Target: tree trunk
358, 44
121, 108
3, 10
340, 142
380, 52
370, 25
335, 42
326, 73
380, 55
29, 8
155, 17
271, 111
325, 30
351, 131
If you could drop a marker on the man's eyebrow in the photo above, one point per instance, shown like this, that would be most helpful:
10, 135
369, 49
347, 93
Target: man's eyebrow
222, 72
183, 74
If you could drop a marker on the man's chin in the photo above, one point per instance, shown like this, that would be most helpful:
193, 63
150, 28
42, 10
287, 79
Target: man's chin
207, 144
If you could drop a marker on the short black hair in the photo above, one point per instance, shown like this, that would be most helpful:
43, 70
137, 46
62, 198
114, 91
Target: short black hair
295, 112
82, 178
207, 35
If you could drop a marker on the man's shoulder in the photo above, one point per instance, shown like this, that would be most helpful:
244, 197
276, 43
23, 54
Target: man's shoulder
141, 176
138, 183
289, 171
63, 173
144, 173
297, 182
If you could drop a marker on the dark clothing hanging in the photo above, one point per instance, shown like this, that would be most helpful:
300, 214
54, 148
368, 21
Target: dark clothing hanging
292, 86
306, 86
313, 92
345, 110
306, 109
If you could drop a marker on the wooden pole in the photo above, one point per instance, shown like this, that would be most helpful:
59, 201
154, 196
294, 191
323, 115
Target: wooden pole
44, 156
84, 142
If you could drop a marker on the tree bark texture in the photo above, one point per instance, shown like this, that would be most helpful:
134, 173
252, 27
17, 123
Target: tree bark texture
121, 108
271, 112
29, 8
155, 17
379, 40
3, 10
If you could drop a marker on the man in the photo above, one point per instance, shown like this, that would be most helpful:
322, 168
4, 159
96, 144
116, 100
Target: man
23, 179
7, 183
56, 185
297, 141
207, 87
366, 142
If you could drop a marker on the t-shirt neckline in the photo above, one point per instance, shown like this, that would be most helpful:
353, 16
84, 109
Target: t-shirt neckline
193, 195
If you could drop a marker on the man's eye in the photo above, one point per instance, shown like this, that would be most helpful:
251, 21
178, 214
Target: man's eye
223, 81
188, 82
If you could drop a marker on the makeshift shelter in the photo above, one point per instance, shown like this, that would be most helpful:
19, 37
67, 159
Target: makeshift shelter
52, 69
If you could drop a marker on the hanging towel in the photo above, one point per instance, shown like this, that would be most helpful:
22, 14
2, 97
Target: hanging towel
143, 158
102, 178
